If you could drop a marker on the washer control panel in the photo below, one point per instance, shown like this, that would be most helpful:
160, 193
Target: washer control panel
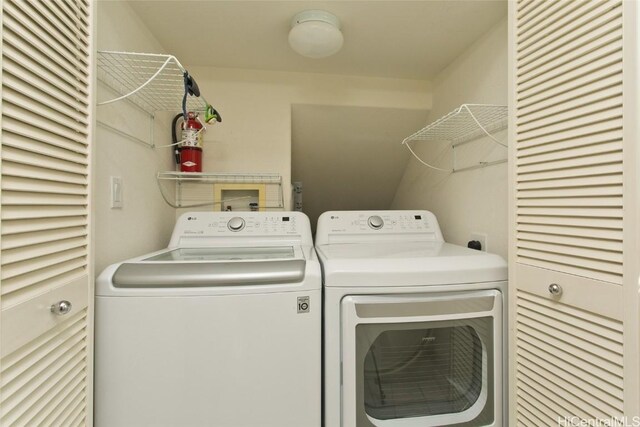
294, 226
268, 224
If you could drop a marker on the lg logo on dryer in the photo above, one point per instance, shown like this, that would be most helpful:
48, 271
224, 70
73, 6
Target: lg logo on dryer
303, 304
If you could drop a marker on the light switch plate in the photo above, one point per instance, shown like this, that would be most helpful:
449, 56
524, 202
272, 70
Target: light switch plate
116, 192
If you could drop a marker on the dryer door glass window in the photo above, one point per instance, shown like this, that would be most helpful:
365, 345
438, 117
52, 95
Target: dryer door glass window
426, 371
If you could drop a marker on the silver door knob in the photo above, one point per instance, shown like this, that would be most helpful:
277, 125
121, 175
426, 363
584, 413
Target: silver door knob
61, 307
555, 289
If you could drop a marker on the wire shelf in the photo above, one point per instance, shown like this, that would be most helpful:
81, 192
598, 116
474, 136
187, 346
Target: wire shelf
197, 189
153, 82
465, 123
222, 178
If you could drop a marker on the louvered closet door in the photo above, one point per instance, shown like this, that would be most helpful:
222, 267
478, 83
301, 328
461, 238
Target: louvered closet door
567, 177
46, 128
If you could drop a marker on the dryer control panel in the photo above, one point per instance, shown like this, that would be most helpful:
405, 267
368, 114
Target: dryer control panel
354, 226
268, 225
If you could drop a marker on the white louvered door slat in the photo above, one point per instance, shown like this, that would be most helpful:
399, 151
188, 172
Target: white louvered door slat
600, 145
40, 212
77, 16
14, 127
21, 144
20, 18
40, 65
65, 39
48, 164
19, 227
19, 95
526, 6
65, 25
58, 129
584, 349
553, 35
596, 106
568, 207
37, 90
542, 14
46, 133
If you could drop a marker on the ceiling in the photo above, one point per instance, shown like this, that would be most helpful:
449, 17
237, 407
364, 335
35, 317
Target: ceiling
394, 39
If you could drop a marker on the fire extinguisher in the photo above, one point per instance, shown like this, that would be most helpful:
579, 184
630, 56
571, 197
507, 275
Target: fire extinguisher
191, 150
188, 151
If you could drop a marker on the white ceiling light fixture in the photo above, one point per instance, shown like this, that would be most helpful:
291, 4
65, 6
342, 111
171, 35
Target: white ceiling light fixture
315, 34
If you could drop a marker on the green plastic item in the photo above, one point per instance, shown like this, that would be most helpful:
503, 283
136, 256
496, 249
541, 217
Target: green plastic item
211, 115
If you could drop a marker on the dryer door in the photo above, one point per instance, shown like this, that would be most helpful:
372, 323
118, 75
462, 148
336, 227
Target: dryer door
422, 360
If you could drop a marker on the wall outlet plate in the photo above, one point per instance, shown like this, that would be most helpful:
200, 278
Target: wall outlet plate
482, 238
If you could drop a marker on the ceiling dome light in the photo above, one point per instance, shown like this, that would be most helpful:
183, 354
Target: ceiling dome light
315, 34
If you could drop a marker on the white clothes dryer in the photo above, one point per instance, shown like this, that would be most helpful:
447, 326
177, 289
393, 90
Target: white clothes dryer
413, 327
222, 328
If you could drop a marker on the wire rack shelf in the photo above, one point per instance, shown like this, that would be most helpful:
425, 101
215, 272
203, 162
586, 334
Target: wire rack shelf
153, 82
462, 125
465, 123
198, 189
222, 178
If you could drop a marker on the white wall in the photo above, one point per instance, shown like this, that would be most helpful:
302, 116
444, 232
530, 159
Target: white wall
469, 201
255, 134
349, 158
145, 222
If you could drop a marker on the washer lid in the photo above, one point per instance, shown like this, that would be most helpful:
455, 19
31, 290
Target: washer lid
407, 264
225, 254
207, 274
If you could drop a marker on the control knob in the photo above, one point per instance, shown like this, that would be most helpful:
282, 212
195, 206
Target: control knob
376, 222
235, 224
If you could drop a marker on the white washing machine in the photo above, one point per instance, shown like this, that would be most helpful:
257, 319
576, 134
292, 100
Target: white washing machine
413, 327
222, 328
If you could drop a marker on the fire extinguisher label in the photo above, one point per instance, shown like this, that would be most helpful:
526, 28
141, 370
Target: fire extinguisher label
191, 138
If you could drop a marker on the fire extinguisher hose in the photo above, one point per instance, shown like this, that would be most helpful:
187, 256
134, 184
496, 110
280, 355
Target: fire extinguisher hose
174, 137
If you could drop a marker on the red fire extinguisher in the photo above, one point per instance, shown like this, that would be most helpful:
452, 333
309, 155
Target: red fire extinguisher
191, 147
188, 150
